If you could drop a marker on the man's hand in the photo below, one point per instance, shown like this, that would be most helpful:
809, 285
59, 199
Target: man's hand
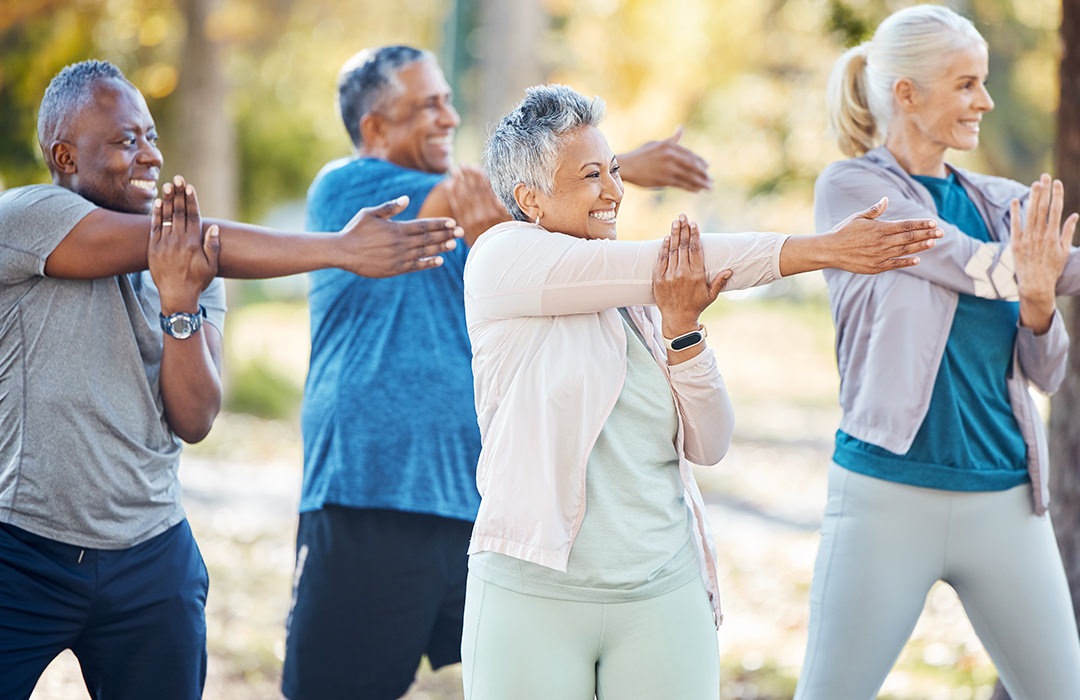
472, 202
665, 163
373, 246
1041, 246
183, 260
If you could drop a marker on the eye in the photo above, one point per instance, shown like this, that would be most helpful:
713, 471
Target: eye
594, 174
615, 169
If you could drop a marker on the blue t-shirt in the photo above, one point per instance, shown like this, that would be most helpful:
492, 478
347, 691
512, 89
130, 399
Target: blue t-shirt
388, 418
969, 440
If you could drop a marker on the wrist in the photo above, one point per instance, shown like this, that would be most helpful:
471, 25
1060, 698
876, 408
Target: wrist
183, 305
808, 253
678, 326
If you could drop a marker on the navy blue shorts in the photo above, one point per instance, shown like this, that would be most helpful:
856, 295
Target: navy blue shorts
135, 618
374, 591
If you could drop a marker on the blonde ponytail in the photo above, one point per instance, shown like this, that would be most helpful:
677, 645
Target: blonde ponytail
850, 118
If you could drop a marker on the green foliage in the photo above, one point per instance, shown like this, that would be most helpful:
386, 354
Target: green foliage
844, 21
258, 389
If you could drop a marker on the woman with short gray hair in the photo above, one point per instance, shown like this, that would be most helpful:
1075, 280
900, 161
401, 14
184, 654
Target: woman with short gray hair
591, 565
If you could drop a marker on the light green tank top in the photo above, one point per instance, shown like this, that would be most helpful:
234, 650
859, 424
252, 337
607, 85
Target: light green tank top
636, 540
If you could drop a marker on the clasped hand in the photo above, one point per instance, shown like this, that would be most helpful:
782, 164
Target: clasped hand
680, 283
183, 259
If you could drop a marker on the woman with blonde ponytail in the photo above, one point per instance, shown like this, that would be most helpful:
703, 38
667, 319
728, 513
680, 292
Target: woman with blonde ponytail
939, 468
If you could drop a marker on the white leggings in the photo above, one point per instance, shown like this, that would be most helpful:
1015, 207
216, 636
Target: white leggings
529, 648
883, 545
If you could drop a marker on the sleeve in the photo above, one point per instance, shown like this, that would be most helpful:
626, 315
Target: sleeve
1044, 358
33, 221
521, 270
957, 262
213, 300
707, 414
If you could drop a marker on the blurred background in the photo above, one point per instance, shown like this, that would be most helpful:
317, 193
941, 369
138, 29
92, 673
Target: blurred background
244, 95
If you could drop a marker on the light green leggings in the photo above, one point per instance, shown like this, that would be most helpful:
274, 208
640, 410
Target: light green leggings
883, 545
529, 648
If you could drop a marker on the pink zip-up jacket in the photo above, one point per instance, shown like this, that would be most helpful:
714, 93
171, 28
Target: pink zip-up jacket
549, 361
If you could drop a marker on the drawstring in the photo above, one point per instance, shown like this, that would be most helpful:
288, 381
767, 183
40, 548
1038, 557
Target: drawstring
81, 553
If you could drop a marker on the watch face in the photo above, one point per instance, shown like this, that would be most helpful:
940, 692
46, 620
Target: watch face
180, 327
688, 340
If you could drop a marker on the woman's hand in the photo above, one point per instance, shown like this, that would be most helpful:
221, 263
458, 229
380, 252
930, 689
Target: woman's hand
680, 285
183, 260
1040, 245
861, 243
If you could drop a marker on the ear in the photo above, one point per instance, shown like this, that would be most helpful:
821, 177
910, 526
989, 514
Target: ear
526, 199
371, 129
62, 156
906, 94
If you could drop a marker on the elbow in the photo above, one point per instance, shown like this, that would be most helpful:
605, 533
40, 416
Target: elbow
194, 426
194, 431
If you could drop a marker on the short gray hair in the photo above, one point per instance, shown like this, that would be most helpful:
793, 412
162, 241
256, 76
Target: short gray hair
367, 78
525, 145
69, 91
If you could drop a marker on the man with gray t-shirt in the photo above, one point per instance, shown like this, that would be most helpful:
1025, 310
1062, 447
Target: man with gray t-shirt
110, 353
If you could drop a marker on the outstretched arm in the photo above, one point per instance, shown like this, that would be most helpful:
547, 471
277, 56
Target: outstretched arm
106, 243
860, 243
665, 163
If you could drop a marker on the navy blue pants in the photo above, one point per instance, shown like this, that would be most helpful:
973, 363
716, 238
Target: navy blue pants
374, 591
135, 618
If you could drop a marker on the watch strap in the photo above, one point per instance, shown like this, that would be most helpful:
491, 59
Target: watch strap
687, 340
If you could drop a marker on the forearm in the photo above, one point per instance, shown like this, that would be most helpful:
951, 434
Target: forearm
191, 382
806, 254
253, 252
1037, 310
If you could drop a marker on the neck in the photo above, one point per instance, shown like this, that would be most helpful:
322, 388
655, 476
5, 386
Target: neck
914, 153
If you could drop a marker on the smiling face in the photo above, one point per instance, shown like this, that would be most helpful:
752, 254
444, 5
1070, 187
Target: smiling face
946, 113
587, 188
108, 151
415, 123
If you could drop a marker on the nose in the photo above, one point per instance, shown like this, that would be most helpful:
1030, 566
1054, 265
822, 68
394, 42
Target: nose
986, 103
613, 187
149, 153
448, 116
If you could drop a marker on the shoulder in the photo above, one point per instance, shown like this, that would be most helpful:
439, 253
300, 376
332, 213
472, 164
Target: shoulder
35, 209
1000, 190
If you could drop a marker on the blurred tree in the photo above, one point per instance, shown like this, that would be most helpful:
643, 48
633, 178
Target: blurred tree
1065, 405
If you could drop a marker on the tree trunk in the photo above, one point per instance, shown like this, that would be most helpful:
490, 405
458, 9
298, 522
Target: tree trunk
202, 146
1065, 405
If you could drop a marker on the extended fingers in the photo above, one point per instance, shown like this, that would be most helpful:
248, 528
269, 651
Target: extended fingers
155, 222
180, 211
1068, 230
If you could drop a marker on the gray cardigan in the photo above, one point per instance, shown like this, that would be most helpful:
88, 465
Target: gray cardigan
891, 328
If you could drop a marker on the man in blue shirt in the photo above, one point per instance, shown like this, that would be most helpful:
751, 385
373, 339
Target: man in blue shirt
389, 424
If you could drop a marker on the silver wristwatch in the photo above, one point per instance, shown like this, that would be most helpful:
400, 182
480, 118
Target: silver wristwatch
181, 325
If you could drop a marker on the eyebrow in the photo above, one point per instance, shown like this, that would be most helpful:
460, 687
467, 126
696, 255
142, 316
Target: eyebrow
594, 163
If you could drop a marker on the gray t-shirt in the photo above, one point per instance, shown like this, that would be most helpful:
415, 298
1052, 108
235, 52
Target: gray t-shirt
86, 456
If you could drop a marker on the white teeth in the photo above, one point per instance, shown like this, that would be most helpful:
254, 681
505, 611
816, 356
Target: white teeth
148, 185
441, 140
607, 215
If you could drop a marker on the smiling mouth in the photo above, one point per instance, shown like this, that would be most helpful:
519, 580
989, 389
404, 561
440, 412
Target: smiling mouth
148, 186
443, 141
606, 215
